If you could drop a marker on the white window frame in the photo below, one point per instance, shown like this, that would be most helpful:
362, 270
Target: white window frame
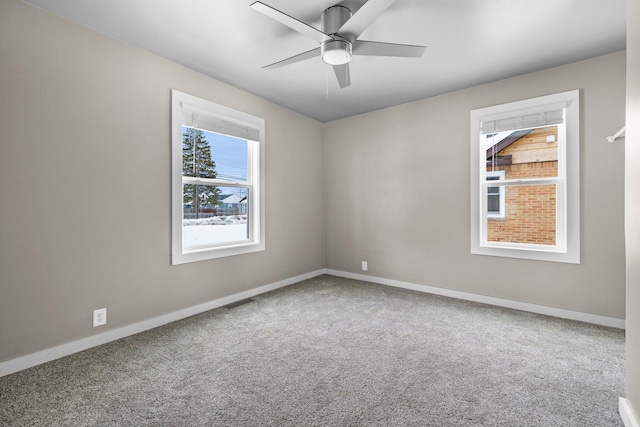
182, 107
500, 213
567, 247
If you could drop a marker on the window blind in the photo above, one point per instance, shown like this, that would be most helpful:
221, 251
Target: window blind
526, 121
196, 118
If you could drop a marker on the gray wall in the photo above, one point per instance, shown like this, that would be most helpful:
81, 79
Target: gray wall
85, 186
632, 200
397, 185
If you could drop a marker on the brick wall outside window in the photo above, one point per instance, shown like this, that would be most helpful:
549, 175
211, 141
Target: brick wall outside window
530, 211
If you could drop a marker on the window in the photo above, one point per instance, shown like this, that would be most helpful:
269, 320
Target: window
495, 196
217, 180
525, 173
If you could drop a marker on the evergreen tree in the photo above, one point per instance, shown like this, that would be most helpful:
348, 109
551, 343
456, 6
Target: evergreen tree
197, 162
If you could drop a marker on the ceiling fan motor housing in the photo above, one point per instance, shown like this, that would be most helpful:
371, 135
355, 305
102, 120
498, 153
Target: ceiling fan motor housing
336, 50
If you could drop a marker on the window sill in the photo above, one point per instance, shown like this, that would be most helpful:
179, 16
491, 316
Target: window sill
570, 257
213, 253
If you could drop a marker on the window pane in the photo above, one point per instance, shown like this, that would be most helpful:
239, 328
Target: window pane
530, 216
529, 153
212, 155
493, 203
214, 215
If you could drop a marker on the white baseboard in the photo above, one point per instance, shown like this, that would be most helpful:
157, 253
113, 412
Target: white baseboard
34, 359
627, 415
613, 322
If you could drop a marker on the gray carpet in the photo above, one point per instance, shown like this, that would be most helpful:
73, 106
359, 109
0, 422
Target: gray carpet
335, 352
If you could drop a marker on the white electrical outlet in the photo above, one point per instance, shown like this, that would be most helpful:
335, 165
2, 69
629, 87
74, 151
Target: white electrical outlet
364, 266
99, 317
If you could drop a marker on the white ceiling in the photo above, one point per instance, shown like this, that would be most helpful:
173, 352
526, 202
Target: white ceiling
469, 42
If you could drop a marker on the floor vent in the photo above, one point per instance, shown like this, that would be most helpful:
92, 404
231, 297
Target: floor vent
239, 303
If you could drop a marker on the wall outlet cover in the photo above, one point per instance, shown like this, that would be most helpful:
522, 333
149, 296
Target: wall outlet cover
99, 317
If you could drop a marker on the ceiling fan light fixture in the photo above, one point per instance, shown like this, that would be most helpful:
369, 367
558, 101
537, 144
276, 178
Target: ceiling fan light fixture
336, 52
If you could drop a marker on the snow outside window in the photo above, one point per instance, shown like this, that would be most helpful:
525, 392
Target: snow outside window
525, 172
217, 180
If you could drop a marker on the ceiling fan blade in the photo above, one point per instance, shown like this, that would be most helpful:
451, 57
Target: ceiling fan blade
362, 47
361, 20
342, 73
296, 58
290, 21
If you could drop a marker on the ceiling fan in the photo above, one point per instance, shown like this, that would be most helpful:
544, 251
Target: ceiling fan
338, 37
